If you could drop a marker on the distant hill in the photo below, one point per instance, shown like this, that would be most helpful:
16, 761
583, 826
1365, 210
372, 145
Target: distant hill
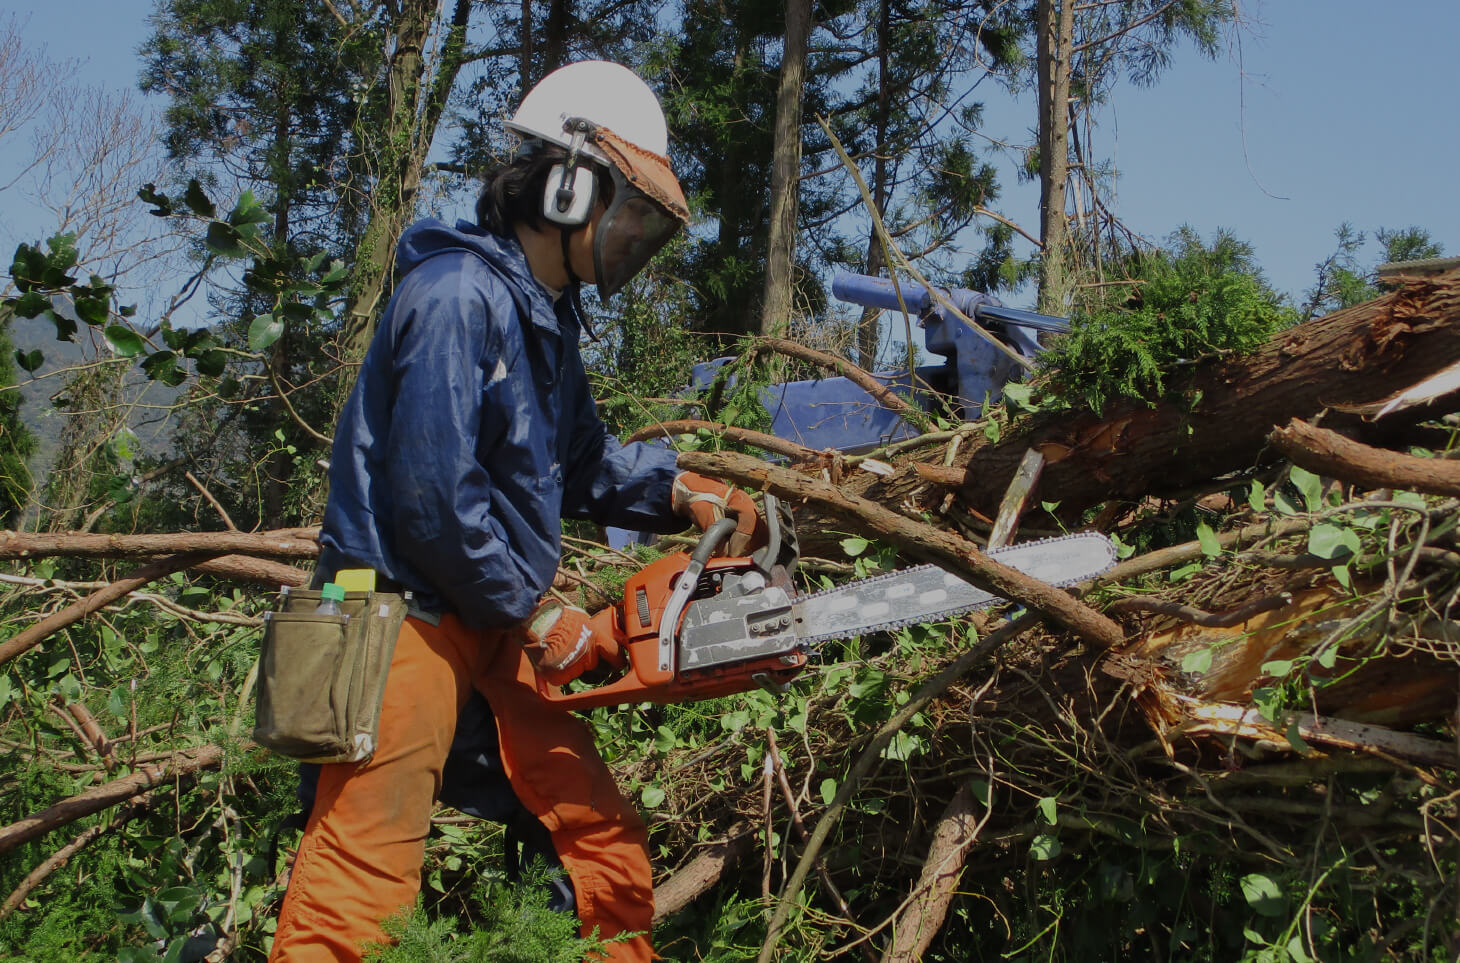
37, 411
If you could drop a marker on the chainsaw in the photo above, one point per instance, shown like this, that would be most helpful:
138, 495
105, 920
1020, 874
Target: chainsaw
694, 626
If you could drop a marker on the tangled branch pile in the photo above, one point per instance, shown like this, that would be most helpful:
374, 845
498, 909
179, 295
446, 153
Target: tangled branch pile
1238, 744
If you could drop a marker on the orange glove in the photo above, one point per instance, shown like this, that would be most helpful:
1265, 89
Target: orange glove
707, 500
563, 642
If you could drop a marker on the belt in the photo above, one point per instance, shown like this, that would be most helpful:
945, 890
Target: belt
413, 604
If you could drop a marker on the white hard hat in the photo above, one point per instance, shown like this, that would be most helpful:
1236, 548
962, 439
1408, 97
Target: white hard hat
607, 94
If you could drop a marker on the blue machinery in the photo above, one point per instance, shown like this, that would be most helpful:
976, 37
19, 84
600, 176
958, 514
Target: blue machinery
837, 413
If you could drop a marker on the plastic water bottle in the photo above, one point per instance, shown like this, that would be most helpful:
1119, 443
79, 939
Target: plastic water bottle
330, 597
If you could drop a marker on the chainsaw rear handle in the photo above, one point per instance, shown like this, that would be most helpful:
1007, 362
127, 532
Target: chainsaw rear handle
650, 657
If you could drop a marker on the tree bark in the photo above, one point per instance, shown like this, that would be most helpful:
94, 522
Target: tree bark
1054, 50
412, 111
786, 173
920, 921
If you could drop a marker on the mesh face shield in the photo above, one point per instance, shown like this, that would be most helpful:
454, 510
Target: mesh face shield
648, 206
633, 229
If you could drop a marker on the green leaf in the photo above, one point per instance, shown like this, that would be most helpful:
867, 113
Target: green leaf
247, 211
1295, 738
1327, 540
31, 304
991, 430
1263, 895
7, 691
1412, 499
1257, 497
224, 240
1344, 577
1044, 847
29, 361
652, 797
665, 739
1197, 662
854, 546
162, 366
162, 207
1020, 395
1210, 547
1309, 485
198, 201
1277, 668
1328, 658
1283, 503
124, 340
1269, 702
263, 331
212, 363
337, 274
1049, 809
124, 444
1184, 572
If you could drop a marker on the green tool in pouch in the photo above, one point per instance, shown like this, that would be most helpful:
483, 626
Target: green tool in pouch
322, 676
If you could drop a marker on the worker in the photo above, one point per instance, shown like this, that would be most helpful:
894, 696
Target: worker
469, 435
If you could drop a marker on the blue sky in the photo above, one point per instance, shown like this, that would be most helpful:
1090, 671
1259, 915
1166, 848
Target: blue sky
1339, 110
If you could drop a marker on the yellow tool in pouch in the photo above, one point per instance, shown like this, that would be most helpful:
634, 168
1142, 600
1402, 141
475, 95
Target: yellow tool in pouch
322, 677
356, 579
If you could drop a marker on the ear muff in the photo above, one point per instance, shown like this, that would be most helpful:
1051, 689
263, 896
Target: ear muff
568, 196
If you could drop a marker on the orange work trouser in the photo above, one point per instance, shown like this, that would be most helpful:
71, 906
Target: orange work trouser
360, 859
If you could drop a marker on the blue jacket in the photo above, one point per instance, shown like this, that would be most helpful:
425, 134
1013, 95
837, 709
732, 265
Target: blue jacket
471, 432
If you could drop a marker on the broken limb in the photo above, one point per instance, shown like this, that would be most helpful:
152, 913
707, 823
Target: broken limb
744, 436
60, 857
281, 543
81, 608
926, 693
84, 804
1326, 452
883, 394
925, 909
1190, 613
917, 539
703, 872
1220, 718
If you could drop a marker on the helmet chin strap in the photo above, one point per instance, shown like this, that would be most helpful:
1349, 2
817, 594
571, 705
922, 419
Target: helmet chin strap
575, 284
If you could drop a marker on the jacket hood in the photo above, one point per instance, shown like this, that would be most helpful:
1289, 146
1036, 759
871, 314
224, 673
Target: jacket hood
427, 238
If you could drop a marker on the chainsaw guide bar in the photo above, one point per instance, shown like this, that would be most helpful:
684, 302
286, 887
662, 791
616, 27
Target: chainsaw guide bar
927, 593
750, 620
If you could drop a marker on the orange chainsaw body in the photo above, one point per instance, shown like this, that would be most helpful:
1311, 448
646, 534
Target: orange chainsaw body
652, 672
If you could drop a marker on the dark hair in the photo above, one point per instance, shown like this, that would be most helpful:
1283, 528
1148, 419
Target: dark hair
512, 192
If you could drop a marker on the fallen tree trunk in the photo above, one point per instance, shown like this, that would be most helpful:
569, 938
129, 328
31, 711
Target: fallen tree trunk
1132, 451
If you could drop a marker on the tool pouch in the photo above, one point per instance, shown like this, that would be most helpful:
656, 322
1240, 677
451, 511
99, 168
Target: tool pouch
322, 677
